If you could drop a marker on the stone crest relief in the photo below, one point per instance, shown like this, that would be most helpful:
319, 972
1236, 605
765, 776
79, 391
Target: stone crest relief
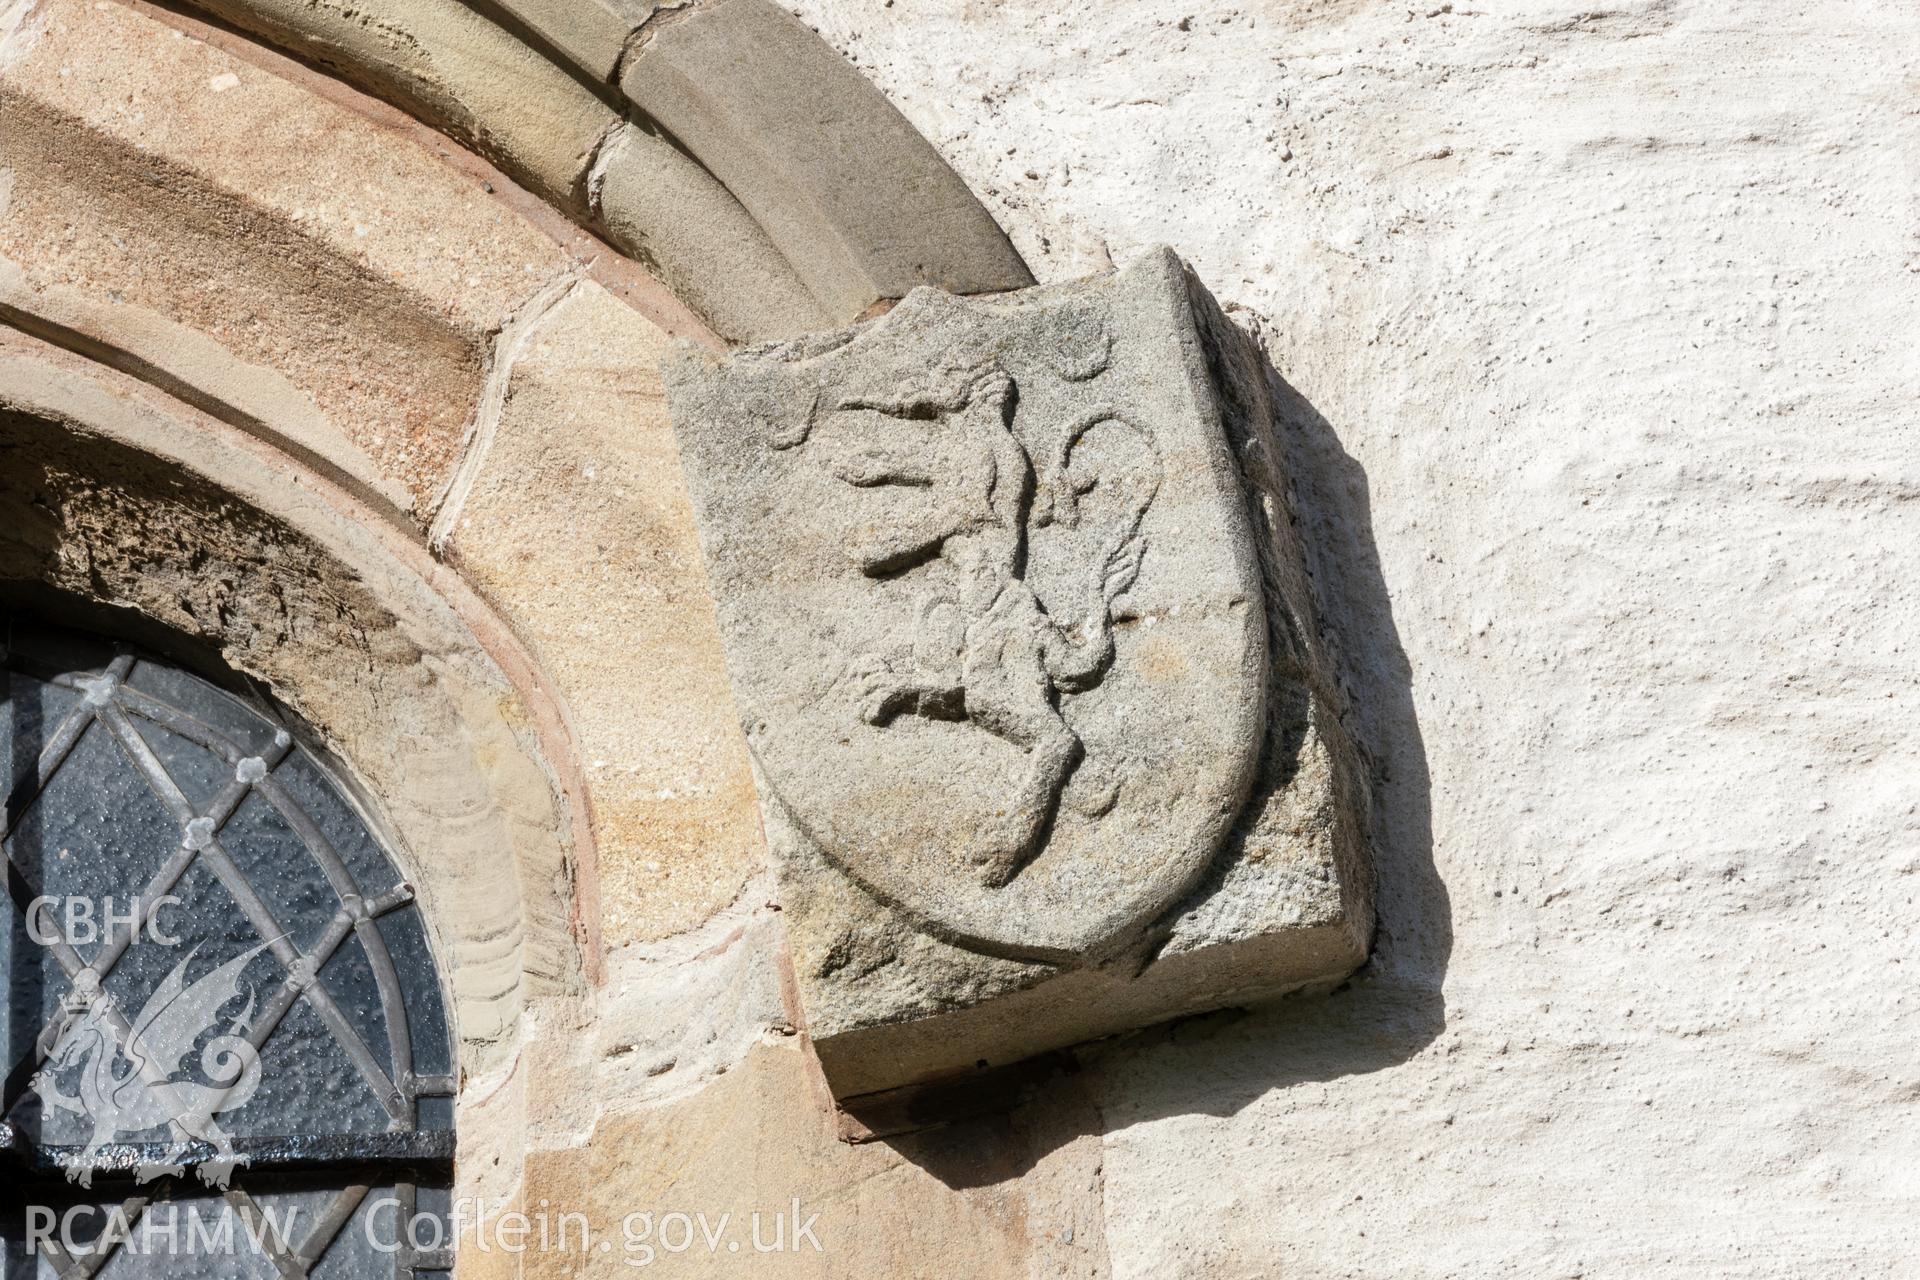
993, 620
993, 607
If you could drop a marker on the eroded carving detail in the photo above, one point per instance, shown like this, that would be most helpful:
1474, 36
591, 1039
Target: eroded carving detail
998, 628
989, 651
992, 612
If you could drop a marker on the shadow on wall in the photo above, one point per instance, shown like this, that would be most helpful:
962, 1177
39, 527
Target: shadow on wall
1217, 1064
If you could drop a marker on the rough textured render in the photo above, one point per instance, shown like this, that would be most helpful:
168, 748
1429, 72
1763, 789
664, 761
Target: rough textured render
1017, 627
1602, 321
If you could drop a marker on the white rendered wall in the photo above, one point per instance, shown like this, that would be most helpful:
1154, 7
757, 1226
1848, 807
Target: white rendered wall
1609, 325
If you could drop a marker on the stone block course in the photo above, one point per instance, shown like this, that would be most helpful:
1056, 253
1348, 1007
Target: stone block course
445, 63
857, 200
591, 34
333, 282
676, 218
577, 526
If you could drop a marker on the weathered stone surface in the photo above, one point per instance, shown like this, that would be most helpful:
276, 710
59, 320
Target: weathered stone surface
448, 64
117, 500
1015, 625
677, 219
592, 34
931, 547
857, 200
332, 281
758, 1141
486, 86
576, 524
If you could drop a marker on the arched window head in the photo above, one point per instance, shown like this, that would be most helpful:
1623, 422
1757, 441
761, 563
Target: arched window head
226, 1048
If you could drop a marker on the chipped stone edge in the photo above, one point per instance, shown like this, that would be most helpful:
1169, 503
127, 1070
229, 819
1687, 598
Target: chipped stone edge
510, 339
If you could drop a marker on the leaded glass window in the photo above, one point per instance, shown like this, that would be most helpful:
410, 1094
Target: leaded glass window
227, 1047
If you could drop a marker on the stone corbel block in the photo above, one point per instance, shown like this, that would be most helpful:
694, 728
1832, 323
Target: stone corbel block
1023, 644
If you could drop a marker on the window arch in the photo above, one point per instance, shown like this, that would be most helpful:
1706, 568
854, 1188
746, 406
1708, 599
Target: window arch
227, 1048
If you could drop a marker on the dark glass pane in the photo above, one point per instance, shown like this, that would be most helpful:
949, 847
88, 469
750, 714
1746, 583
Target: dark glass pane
373, 1242
34, 711
199, 773
349, 980
406, 937
254, 992
35, 985
92, 838
436, 1113
250, 731
277, 865
309, 1084
338, 822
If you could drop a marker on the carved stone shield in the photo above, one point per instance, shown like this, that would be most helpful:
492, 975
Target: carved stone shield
992, 611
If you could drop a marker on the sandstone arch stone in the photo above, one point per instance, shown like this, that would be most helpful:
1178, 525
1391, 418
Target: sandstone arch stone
419, 694
812, 197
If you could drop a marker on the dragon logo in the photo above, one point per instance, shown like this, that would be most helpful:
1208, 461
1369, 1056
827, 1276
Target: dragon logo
129, 1073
